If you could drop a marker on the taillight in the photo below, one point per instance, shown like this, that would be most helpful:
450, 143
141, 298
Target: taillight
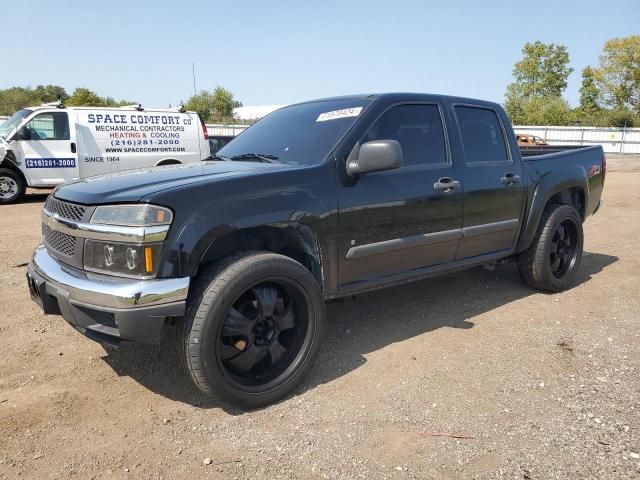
604, 167
204, 130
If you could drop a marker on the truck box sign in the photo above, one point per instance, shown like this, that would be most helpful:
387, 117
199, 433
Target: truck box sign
137, 132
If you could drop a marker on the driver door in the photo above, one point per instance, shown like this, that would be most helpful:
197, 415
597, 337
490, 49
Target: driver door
396, 221
49, 153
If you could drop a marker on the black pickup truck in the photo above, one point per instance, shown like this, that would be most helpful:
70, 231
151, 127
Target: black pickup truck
316, 201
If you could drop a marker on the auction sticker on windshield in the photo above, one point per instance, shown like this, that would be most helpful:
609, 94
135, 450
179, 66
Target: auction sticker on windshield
336, 114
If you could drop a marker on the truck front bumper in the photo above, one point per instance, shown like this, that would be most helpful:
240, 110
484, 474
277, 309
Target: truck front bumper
104, 308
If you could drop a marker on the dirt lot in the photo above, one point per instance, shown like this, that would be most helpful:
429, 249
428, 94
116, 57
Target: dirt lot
547, 386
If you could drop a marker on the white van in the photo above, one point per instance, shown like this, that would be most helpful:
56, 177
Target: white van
45, 146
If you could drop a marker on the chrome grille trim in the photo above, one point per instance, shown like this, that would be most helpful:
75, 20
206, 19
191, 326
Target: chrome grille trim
112, 233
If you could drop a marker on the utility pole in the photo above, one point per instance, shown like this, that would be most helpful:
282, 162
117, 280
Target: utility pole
193, 71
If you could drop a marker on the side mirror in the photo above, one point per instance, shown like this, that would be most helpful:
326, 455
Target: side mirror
24, 133
375, 156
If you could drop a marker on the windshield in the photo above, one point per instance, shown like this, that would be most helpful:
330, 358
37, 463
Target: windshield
301, 134
12, 122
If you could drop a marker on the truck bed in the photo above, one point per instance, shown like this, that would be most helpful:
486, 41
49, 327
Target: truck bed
568, 163
534, 150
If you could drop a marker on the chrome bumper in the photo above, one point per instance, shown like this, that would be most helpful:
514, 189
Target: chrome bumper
107, 309
107, 291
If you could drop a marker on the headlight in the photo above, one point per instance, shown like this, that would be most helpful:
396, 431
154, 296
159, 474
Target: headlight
122, 259
138, 215
136, 230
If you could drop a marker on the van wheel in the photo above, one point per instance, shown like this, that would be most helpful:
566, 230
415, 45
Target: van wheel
253, 328
552, 261
12, 186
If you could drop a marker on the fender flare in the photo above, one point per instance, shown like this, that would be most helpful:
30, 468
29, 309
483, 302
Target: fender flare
545, 188
309, 244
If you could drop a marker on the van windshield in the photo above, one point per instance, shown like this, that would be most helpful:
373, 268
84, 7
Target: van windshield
13, 121
301, 134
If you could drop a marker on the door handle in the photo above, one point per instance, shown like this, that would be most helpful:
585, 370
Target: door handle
73, 147
446, 185
510, 179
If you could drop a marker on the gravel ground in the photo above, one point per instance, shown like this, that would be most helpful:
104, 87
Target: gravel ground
541, 386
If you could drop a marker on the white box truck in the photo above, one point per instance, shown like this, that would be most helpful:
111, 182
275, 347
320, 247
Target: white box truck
45, 146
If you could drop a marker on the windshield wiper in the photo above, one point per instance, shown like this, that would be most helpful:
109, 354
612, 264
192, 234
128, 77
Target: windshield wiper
260, 157
215, 156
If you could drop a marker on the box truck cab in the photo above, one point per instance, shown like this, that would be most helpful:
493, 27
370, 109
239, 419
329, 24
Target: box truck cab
46, 146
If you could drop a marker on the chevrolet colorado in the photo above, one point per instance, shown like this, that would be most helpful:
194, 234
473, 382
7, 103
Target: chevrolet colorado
318, 200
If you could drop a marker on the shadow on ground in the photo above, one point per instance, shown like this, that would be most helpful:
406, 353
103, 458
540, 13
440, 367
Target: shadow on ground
356, 327
39, 196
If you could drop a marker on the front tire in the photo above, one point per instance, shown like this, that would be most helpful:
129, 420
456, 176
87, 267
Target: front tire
253, 328
552, 261
12, 186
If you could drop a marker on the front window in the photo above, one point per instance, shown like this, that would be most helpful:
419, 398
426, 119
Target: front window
49, 126
301, 134
13, 121
418, 129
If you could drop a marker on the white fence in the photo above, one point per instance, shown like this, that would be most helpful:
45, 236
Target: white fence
613, 140
225, 130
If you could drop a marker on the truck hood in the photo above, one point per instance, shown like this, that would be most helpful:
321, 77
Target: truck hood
133, 185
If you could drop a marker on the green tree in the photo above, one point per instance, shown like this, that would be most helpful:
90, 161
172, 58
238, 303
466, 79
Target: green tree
14, 99
535, 95
618, 74
589, 92
214, 107
85, 98
543, 111
202, 103
543, 70
223, 105
50, 93
620, 117
589, 112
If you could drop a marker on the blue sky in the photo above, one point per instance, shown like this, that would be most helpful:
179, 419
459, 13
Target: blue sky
283, 52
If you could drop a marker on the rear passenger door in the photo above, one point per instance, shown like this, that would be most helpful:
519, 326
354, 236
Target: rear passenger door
494, 188
398, 220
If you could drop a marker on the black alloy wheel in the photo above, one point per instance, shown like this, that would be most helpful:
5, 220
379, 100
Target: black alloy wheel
253, 328
262, 332
563, 247
551, 262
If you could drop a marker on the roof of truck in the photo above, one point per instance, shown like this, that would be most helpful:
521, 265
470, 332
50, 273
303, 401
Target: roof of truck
401, 96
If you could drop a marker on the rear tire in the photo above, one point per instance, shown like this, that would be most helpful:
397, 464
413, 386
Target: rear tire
552, 261
12, 186
253, 328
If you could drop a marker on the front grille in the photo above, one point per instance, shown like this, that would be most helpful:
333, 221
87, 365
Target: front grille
65, 209
60, 243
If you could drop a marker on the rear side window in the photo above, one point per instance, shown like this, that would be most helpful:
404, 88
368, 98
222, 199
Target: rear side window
418, 129
482, 135
49, 126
